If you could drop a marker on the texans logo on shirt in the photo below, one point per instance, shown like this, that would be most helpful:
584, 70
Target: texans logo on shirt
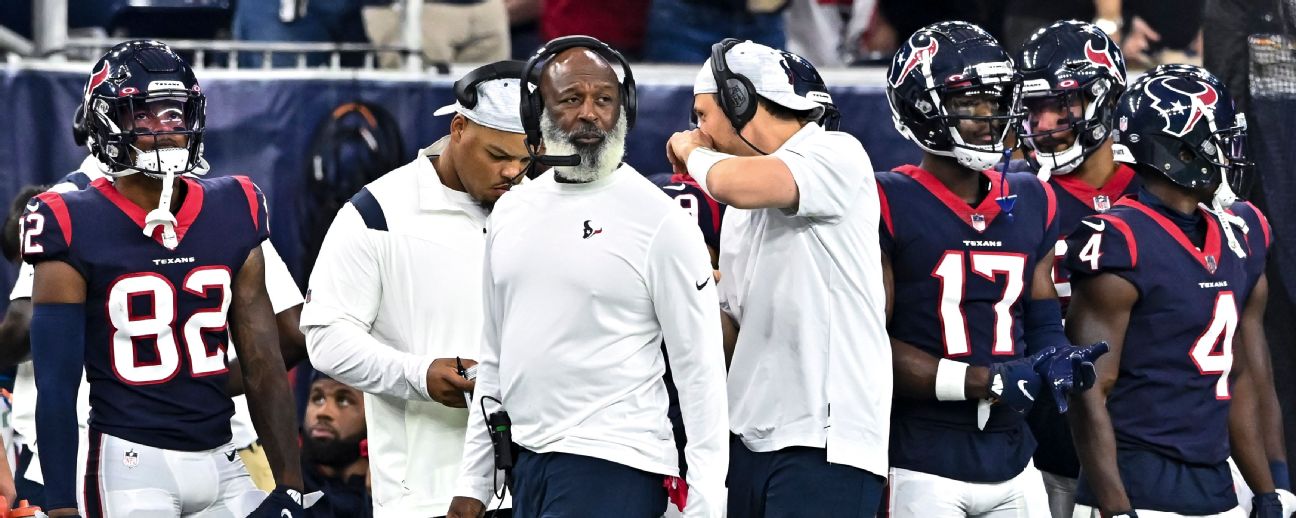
590, 231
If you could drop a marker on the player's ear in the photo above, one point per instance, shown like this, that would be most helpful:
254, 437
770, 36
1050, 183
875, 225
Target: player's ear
457, 126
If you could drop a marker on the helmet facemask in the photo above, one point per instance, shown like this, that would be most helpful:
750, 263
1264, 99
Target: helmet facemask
1077, 131
158, 133
977, 120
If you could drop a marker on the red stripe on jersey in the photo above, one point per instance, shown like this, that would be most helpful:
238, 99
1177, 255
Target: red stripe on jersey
886, 209
1212, 232
1114, 189
988, 208
1052, 203
1264, 223
60, 210
1121, 226
190, 208
254, 203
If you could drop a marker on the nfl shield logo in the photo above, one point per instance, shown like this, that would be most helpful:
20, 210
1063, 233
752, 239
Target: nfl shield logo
1101, 203
131, 459
978, 222
1210, 263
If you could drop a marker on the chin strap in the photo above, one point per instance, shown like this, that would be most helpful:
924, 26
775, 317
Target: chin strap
162, 217
1224, 197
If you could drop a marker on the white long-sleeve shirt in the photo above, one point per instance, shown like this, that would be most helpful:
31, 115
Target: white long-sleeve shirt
397, 285
582, 284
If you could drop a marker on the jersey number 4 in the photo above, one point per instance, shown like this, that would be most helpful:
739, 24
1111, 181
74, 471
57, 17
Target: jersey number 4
155, 321
952, 274
1218, 336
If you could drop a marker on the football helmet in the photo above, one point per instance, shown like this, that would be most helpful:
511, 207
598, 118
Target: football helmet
1075, 68
807, 83
143, 112
1180, 121
939, 84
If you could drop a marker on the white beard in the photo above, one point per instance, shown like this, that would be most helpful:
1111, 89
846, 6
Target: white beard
595, 163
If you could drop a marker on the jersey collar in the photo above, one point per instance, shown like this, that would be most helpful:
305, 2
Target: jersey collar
978, 217
1101, 198
189, 207
1208, 257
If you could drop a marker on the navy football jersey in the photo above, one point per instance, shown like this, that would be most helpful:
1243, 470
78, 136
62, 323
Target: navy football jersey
1172, 392
1169, 406
1076, 200
156, 329
961, 275
685, 191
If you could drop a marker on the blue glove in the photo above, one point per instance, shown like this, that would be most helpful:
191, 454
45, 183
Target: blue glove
1268, 505
1015, 384
284, 502
1070, 370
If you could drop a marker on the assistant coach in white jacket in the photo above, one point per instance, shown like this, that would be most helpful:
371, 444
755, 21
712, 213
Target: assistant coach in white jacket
588, 269
396, 296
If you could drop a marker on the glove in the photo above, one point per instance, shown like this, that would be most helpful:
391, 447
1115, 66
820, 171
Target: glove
1070, 370
1015, 384
1267, 505
285, 502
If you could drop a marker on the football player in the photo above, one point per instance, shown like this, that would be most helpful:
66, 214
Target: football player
972, 312
149, 316
1166, 276
1072, 75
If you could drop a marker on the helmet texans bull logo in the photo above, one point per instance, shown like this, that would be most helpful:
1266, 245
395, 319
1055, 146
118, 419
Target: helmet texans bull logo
1103, 58
919, 56
1180, 108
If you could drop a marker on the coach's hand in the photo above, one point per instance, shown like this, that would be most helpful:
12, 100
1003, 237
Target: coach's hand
681, 144
445, 385
466, 507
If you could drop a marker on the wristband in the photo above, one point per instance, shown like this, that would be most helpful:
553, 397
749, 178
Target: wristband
950, 380
700, 162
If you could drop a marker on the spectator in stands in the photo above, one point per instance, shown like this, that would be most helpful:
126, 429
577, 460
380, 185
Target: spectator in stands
470, 31
837, 33
682, 31
620, 24
337, 21
333, 444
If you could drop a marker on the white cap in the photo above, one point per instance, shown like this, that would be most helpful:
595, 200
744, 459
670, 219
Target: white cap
765, 68
498, 106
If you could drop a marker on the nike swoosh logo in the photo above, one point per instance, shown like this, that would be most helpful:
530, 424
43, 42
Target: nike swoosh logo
33, 206
1021, 384
285, 514
702, 284
1099, 226
230, 455
678, 187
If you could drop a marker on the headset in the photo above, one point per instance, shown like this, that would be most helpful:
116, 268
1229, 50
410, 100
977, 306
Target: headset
533, 103
465, 89
735, 92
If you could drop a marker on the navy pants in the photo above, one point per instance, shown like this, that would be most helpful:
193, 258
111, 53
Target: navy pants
796, 482
562, 485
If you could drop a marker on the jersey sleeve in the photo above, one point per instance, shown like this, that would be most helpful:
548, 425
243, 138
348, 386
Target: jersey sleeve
828, 170
702, 210
1101, 243
1259, 235
257, 209
46, 230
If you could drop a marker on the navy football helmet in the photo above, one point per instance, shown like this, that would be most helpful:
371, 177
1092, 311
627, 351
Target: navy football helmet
1180, 121
1074, 68
807, 83
140, 90
939, 82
